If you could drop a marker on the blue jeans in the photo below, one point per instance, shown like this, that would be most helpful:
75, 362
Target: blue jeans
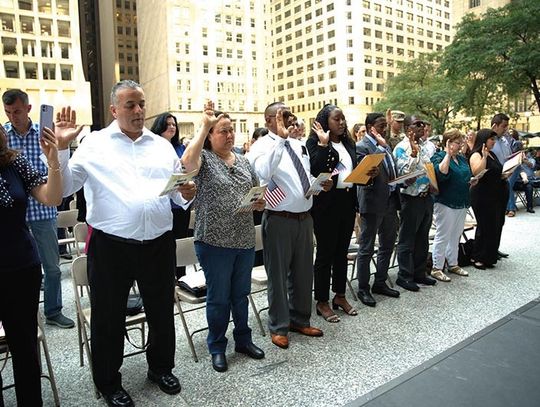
228, 282
44, 231
511, 204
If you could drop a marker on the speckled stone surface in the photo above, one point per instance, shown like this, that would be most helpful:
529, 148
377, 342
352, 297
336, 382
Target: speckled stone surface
354, 357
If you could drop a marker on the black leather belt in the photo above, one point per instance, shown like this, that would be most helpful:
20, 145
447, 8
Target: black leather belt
289, 215
125, 240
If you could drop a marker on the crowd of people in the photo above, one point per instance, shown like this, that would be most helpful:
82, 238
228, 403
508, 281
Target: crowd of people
124, 167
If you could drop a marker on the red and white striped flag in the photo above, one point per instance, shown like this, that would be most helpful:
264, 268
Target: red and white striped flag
274, 194
339, 167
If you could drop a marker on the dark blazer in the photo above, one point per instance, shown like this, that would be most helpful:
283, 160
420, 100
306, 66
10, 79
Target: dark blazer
325, 159
373, 198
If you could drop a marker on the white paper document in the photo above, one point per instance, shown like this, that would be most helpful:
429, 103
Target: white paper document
316, 186
176, 180
511, 164
253, 195
405, 177
479, 175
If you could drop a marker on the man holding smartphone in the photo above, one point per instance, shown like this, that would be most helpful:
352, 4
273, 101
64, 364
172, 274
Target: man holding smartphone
23, 135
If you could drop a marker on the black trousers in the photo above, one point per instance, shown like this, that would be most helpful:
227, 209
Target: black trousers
180, 229
113, 267
333, 228
19, 297
413, 240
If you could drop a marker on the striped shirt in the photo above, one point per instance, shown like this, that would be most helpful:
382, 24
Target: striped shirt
28, 145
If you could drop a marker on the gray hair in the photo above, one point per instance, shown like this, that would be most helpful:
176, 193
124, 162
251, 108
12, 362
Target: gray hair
125, 84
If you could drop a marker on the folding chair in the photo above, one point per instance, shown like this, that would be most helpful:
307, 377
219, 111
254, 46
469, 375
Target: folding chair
260, 279
79, 276
80, 232
68, 219
42, 344
186, 256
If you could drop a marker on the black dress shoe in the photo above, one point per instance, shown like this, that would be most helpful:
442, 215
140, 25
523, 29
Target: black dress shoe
119, 398
219, 362
383, 289
408, 285
425, 280
250, 350
66, 256
167, 382
366, 298
503, 255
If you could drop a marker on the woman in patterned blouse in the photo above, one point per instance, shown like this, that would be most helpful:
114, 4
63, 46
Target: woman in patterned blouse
224, 237
20, 268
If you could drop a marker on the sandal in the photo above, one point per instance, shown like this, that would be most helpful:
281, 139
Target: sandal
326, 312
510, 214
458, 270
346, 307
439, 275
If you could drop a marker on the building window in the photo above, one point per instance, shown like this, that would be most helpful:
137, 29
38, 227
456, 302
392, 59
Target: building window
65, 71
12, 69
64, 29
474, 3
30, 70
9, 46
49, 71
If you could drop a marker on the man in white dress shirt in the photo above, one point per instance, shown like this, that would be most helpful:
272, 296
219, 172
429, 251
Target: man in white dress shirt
123, 169
287, 227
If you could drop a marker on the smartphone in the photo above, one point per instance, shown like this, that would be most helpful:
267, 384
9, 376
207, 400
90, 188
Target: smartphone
45, 117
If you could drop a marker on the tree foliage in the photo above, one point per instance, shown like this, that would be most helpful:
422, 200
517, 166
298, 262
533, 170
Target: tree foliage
422, 88
499, 51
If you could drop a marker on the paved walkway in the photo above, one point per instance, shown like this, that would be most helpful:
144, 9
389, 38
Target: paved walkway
353, 358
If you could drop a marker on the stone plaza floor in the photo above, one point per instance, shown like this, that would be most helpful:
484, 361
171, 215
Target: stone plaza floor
355, 356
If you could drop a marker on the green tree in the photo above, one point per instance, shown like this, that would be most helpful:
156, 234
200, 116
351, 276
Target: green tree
422, 88
499, 52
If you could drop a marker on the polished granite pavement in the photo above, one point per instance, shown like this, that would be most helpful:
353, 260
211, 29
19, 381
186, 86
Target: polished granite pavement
354, 357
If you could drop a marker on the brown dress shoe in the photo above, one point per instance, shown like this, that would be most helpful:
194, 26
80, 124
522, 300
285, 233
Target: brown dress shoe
306, 330
280, 340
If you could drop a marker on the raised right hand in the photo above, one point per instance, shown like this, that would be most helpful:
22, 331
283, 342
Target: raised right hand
65, 127
209, 118
324, 137
282, 130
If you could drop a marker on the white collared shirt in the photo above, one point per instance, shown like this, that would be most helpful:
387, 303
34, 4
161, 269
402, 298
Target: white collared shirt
122, 181
270, 161
346, 161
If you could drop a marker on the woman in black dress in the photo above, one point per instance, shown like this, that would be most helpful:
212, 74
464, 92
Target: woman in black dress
488, 199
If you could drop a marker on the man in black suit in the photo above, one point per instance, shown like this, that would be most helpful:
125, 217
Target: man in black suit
378, 205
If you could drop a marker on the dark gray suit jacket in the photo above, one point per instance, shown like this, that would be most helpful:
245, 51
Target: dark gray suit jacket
373, 198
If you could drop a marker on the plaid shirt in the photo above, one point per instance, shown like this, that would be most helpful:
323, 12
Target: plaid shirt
28, 145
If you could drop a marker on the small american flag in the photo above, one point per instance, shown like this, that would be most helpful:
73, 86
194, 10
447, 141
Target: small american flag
274, 194
339, 167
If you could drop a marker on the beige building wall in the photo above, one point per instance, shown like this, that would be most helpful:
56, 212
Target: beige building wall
40, 53
191, 51
462, 7
342, 52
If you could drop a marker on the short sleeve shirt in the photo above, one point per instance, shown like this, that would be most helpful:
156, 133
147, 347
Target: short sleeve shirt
220, 189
